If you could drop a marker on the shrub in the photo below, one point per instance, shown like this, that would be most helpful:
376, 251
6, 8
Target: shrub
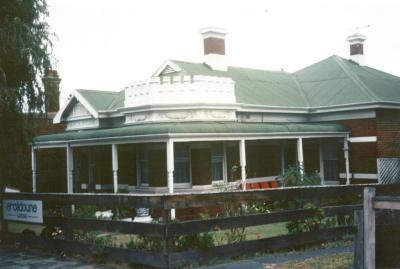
198, 241
296, 176
145, 243
86, 211
310, 224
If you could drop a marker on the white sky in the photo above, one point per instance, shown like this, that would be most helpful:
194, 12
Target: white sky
106, 44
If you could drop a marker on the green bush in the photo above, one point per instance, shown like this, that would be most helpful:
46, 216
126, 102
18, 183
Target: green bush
198, 241
145, 243
310, 224
86, 211
296, 176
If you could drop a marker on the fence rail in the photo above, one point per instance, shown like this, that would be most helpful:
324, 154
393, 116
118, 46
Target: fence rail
167, 230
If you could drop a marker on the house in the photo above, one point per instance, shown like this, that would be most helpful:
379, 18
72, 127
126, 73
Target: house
192, 126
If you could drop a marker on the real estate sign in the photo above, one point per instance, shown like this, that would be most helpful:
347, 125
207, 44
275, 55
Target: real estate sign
23, 210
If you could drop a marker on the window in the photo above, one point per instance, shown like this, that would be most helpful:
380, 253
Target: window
182, 164
144, 165
216, 162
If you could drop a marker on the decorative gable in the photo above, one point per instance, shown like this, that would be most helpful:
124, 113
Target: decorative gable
77, 112
168, 67
168, 70
78, 117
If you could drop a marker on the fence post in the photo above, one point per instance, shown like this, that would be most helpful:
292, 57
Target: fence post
359, 240
4, 223
369, 228
167, 240
68, 212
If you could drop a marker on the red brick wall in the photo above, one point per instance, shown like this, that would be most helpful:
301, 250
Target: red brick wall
262, 160
201, 166
46, 126
360, 127
103, 165
388, 132
127, 165
214, 45
362, 155
311, 157
51, 170
233, 162
363, 158
157, 168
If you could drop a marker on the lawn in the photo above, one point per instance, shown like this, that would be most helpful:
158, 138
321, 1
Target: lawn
339, 261
16, 227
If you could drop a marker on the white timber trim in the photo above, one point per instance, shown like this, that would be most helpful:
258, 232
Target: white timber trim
261, 179
362, 139
75, 94
187, 137
359, 176
300, 156
347, 159
34, 169
242, 153
321, 162
70, 169
161, 68
282, 155
170, 165
100, 187
114, 153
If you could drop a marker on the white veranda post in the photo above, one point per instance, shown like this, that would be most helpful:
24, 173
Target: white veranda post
321, 163
170, 170
282, 153
242, 153
300, 158
346, 158
114, 153
70, 169
34, 169
170, 166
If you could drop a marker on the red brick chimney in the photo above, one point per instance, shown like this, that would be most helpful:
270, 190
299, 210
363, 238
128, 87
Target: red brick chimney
51, 82
357, 48
214, 47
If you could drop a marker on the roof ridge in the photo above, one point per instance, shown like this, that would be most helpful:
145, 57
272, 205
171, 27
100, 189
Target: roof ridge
301, 90
100, 91
356, 79
232, 66
114, 101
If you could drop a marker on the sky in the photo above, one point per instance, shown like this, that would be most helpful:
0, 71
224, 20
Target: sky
108, 44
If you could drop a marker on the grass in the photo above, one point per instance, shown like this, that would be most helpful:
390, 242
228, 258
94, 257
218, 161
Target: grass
265, 231
16, 227
338, 261
252, 233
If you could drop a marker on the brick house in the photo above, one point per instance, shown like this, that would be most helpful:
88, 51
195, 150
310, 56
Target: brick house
192, 126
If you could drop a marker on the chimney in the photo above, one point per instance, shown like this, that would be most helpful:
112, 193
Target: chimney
214, 48
357, 48
51, 82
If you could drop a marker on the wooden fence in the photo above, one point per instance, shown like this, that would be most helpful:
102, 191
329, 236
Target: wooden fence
169, 229
377, 216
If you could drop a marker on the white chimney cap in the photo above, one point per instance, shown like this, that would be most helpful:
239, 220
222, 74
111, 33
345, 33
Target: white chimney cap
213, 32
356, 38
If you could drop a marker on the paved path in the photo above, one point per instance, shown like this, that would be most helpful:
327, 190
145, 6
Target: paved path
11, 258
273, 261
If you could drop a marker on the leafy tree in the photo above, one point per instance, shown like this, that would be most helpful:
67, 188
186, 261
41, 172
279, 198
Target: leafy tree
25, 49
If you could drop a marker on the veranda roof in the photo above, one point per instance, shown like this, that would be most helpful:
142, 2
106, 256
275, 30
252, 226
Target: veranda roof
191, 128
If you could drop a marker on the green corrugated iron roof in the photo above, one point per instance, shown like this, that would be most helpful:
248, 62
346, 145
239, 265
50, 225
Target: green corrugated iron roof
103, 100
193, 128
252, 86
331, 82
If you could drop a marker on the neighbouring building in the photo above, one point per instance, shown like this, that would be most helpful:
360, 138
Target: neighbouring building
192, 126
